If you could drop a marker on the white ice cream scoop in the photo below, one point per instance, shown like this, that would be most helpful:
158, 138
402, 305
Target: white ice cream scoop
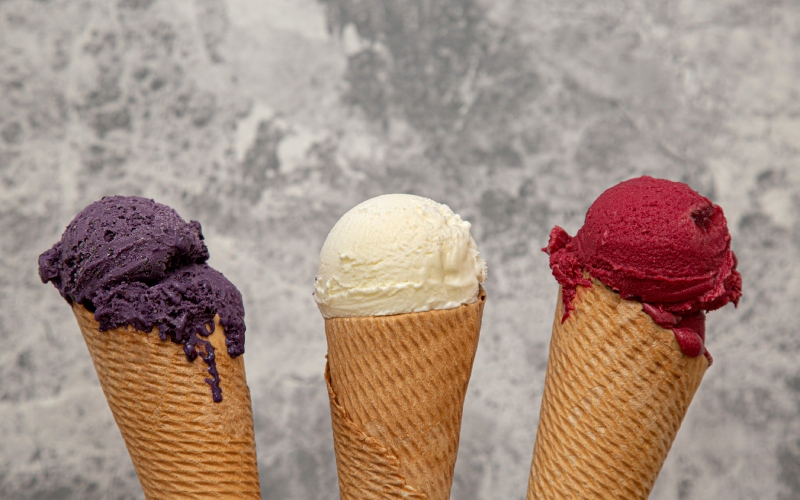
395, 254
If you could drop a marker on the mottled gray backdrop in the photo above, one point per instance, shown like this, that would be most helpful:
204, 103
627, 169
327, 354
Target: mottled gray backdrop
267, 120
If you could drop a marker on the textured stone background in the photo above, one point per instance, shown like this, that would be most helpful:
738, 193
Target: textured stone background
267, 120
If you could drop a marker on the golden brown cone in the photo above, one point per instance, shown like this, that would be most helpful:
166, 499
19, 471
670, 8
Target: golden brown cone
616, 390
182, 443
397, 386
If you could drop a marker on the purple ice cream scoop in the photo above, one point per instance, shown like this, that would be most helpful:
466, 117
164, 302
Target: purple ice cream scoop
136, 262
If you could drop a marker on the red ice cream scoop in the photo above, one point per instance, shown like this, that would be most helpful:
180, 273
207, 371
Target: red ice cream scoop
658, 242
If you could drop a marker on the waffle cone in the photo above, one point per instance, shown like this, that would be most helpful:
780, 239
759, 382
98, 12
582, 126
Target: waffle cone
182, 443
616, 391
397, 386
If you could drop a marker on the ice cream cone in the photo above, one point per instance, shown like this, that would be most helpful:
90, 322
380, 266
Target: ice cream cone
397, 385
616, 391
182, 443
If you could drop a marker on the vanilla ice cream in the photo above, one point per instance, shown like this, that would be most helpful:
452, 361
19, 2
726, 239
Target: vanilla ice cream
395, 254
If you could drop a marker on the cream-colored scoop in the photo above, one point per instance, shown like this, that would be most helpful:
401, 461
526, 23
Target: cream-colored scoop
395, 254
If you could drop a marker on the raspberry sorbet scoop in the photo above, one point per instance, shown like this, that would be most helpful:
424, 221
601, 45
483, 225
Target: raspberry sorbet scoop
658, 242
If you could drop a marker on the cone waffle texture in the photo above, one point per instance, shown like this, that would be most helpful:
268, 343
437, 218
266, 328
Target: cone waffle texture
182, 444
397, 386
616, 390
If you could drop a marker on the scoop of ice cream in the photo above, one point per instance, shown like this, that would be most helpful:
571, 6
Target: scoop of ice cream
120, 239
396, 254
655, 241
136, 262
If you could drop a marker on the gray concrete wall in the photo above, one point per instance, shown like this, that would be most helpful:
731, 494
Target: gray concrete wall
267, 120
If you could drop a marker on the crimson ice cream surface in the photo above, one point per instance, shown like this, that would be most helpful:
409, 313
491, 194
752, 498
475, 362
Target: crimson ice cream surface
660, 243
135, 262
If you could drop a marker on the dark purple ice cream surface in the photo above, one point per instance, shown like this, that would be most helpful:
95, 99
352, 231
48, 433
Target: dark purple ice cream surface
135, 262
